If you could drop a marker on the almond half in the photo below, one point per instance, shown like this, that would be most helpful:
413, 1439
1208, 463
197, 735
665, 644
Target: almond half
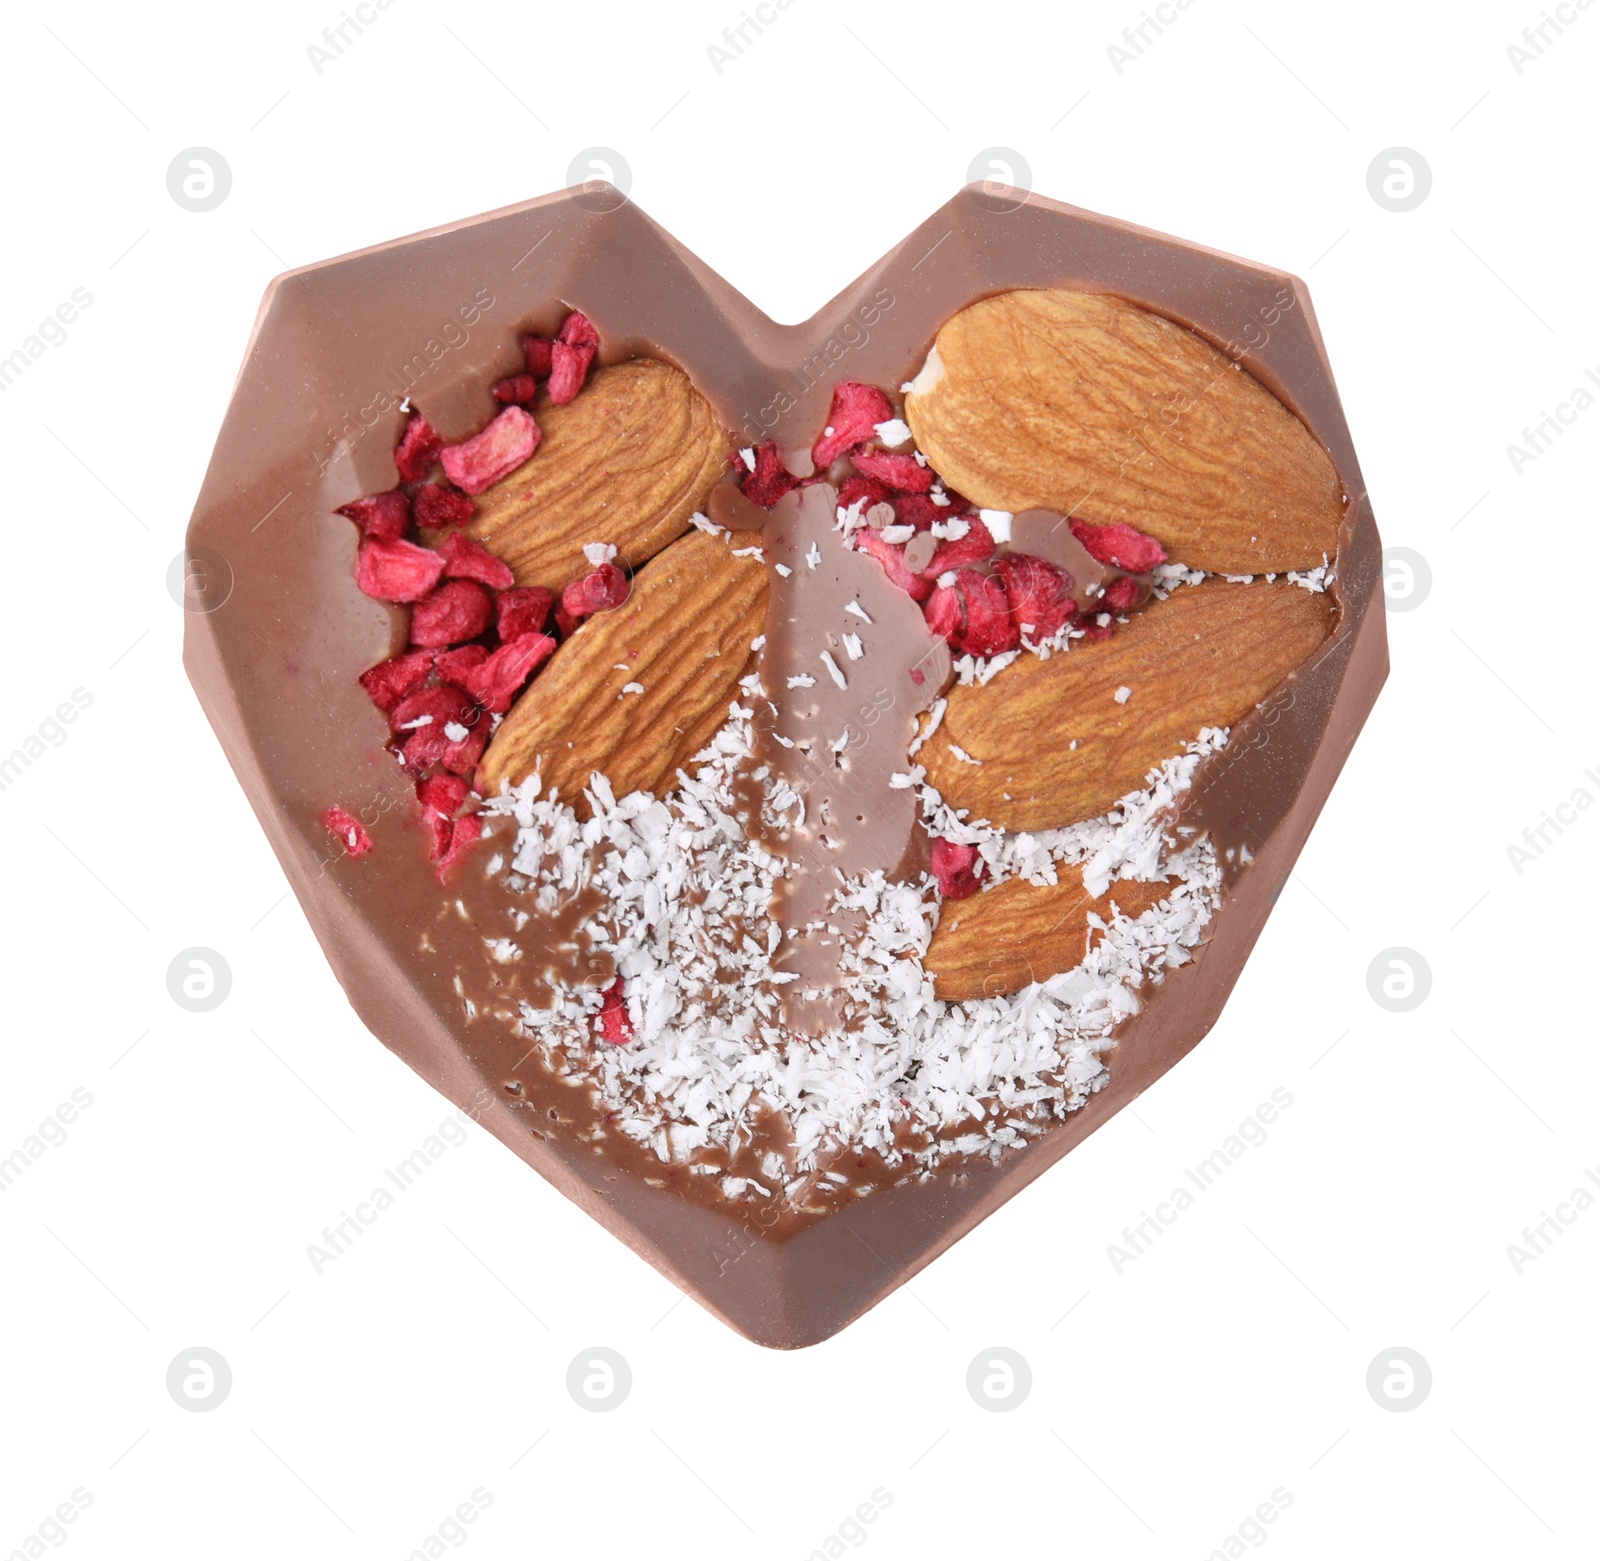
627, 462
683, 635
1204, 657
999, 941
1088, 405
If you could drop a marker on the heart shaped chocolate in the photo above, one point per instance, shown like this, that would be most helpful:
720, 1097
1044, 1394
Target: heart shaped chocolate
886, 735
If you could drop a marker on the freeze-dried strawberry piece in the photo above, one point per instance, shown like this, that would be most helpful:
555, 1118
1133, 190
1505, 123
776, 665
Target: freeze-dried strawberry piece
438, 706
441, 794
457, 610
464, 748
479, 462
917, 509
957, 552
462, 833
397, 571
1040, 593
959, 869
570, 356
515, 389
613, 1022
536, 355
418, 448
1120, 595
1092, 630
566, 624
390, 681
525, 609
853, 490
494, 684
1119, 545
852, 419
383, 515
892, 555
349, 829
903, 472
465, 559
435, 506
942, 611
606, 587
770, 480
990, 630
454, 666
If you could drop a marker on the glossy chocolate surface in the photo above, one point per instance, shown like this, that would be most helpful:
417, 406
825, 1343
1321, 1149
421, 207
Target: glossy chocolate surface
312, 425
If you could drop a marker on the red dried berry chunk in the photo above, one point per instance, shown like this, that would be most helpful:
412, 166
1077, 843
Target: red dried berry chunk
852, 419
462, 753
349, 829
536, 355
613, 1022
893, 558
902, 472
565, 622
455, 666
462, 833
386, 516
515, 389
1119, 545
1093, 631
465, 559
605, 588
976, 546
990, 630
397, 571
435, 506
494, 684
479, 462
455, 611
570, 356
440, 796
439, 706
943, 613
959, 869
769, 480
1040, 593
1121, 595
917, 509
854, 489
525, 609
390, 681
418, 448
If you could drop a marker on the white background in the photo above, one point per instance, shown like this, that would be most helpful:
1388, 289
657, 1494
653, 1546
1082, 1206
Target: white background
1169, 1399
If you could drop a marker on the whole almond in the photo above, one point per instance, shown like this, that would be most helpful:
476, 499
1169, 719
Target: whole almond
999, 941
1085, 404
683, 635
627, 462
1054, 743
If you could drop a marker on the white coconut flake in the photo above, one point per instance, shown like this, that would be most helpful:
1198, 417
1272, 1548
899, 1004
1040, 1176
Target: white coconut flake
813, 556
1123, 694
801, 680
784, 570
999, 523
893, 433
860, 611
633, 688
962, 754
687, 896
852, 646
599, 553
748, 456
833, 669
